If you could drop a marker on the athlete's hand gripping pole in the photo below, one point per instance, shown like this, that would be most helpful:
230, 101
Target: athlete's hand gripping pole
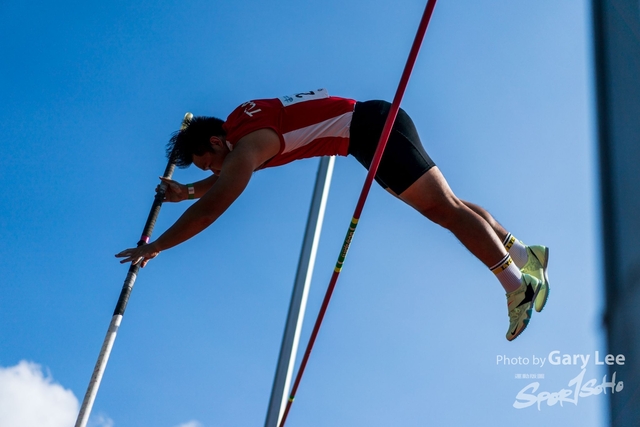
107, 345
386, 131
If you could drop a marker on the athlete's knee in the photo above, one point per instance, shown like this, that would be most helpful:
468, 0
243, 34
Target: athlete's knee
444, 212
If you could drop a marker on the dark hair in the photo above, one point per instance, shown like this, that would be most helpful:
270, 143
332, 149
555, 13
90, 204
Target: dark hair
193, 140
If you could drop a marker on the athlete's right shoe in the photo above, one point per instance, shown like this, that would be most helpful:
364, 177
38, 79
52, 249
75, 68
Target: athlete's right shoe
536, 266
519, 303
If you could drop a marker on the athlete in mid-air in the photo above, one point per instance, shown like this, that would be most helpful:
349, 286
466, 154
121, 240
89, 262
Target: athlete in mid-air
272, 132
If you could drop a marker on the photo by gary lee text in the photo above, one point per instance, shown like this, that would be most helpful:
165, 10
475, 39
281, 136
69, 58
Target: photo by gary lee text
557, 358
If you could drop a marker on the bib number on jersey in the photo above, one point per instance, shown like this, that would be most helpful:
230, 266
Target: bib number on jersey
303, 96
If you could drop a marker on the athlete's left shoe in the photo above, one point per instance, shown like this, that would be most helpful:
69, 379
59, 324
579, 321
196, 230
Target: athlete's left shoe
519, 303
536, 266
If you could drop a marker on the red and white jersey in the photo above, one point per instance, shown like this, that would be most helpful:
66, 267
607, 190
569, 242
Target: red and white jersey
309, 124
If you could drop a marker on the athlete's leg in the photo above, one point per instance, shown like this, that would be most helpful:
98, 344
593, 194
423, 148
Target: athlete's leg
497, 228
432, 197
516, 248
532, 260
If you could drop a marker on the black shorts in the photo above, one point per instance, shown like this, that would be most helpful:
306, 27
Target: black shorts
404, 159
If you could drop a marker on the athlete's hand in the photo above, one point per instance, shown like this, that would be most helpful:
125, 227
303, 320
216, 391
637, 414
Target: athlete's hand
175, 191
142, 254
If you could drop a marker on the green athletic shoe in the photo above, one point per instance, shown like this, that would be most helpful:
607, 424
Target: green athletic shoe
536, 266
519, 303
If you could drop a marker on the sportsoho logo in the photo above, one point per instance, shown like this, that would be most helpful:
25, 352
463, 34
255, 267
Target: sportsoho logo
577, 388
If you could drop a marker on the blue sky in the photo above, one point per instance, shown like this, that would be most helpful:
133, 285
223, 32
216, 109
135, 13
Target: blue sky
503, 97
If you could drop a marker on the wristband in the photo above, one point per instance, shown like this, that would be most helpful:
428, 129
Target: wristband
192, 191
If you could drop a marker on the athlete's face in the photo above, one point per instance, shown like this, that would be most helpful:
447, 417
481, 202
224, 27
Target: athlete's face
212, 160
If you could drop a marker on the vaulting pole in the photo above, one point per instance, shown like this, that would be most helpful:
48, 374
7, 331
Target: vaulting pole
107, 345
291, 338
386, 131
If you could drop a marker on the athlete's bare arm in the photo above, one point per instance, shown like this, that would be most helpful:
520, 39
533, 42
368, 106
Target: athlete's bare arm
248, 154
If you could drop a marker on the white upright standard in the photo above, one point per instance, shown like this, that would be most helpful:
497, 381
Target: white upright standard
291, 338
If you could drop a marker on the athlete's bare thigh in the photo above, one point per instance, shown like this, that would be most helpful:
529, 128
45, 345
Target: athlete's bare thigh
430, 191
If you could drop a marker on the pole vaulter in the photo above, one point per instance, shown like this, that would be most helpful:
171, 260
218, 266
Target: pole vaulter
386, 131
266, 133
107, 345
